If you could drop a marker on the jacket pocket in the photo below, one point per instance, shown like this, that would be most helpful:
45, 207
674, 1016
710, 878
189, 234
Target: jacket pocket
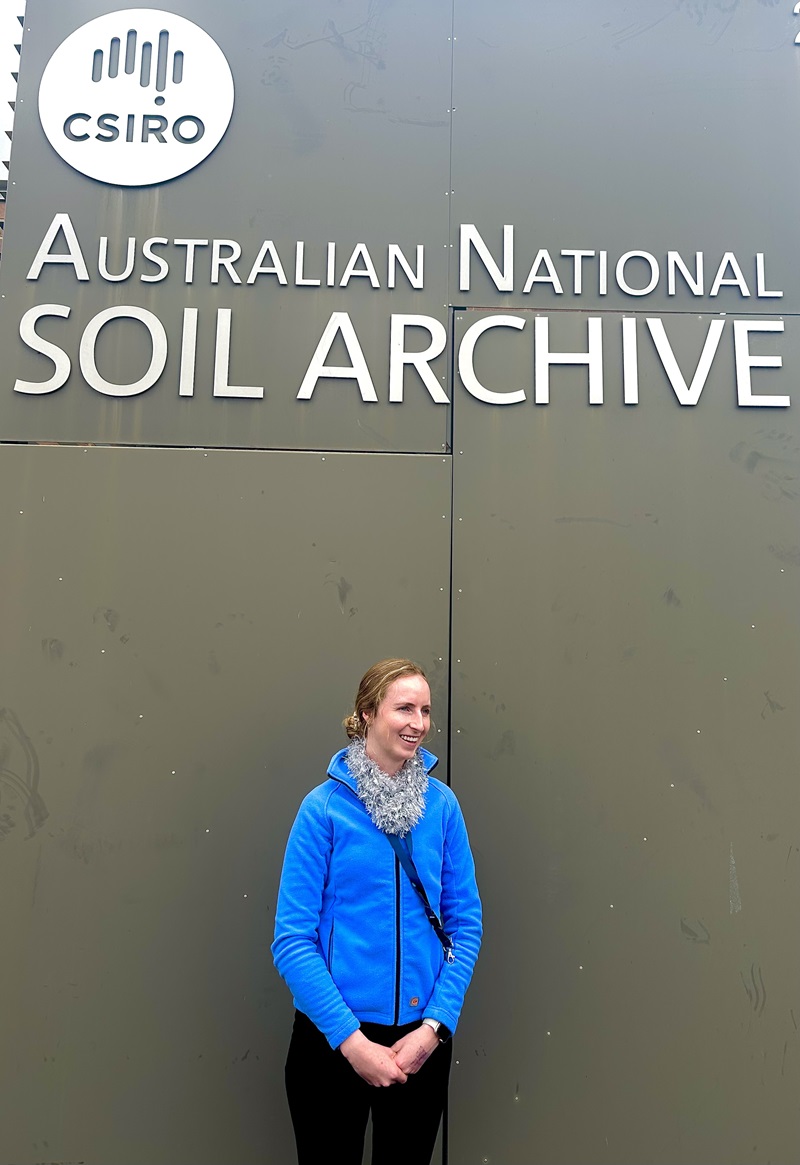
330, 948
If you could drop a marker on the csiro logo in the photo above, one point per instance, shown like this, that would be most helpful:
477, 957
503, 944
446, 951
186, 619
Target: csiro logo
136, 97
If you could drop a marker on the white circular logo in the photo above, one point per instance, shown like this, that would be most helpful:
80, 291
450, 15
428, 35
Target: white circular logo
136, 97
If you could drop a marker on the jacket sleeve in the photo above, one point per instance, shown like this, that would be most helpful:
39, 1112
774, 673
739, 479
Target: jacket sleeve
461, 917
295, 949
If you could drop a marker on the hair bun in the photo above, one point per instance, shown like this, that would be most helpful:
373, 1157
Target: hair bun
352, 726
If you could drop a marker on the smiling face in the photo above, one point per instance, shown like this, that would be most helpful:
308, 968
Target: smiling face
398, 726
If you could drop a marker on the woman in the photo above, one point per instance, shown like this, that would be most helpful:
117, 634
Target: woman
378, 979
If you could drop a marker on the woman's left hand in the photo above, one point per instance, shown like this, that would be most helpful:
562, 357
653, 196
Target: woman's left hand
412, 1050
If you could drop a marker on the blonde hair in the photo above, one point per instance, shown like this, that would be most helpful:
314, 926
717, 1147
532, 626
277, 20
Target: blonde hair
372, 690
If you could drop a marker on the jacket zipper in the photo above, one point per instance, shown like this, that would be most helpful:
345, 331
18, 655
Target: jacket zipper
396, 927
330, 948
397, 941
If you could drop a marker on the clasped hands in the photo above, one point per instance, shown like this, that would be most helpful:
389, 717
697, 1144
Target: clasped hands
382, 1067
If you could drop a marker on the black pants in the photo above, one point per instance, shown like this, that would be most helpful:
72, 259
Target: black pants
330, 1103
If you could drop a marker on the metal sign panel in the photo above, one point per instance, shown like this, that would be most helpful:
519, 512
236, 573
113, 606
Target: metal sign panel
612, 138
269, 297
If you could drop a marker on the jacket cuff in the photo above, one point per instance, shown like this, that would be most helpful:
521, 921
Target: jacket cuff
445, 1017
341, 1033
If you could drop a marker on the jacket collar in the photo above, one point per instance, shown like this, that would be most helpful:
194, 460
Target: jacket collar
339, 770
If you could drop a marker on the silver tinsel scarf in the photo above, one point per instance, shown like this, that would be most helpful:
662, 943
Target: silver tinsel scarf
395, 804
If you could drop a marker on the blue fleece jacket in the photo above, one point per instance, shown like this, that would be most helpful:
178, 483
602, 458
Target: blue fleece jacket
351, 937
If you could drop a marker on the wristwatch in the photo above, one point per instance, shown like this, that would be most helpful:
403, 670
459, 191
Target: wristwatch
442, 1033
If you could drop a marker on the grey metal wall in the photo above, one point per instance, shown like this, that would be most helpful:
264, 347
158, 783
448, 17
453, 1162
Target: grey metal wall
625, 618
612, 588
182, 627
179, 648
625, 668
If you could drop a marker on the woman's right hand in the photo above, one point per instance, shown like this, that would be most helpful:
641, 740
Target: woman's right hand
373, 1062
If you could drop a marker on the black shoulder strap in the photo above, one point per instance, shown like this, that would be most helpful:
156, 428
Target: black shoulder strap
400, 847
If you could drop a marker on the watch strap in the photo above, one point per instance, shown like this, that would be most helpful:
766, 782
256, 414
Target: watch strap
441, 1032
